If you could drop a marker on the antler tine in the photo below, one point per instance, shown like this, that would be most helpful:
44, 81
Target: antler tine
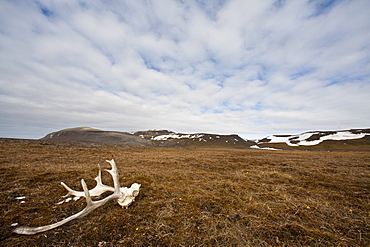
98, 178
99, 189
87, 194
91, 205
114, 173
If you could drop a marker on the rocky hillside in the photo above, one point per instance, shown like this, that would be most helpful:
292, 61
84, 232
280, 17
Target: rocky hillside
161, 138
90, 135
343, 140
353, 139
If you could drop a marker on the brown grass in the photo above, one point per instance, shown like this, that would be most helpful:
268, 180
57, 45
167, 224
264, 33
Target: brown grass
189, 197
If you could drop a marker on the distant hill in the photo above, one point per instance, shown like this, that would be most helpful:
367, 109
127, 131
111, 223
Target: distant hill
342, 140
90, 135
157, 138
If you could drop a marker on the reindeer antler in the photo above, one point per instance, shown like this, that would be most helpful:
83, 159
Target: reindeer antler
99, 189
124, 196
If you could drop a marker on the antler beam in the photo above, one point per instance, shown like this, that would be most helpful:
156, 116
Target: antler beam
124, 196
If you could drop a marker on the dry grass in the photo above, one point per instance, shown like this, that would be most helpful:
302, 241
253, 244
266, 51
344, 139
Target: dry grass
189, 197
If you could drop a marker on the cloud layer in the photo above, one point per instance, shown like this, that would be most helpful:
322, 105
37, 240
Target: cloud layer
249, 67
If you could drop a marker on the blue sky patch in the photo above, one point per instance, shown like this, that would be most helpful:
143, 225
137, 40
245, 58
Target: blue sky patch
45, 11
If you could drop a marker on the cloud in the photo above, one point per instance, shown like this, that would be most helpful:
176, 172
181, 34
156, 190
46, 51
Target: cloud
229, 66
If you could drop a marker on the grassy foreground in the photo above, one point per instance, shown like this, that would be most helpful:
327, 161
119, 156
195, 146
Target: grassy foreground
189, 197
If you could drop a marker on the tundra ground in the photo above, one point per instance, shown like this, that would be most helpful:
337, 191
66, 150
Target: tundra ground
188, 197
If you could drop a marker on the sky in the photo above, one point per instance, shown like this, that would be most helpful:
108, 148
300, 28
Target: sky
252, 68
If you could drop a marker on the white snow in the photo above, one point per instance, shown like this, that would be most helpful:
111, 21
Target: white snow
278, 139
176, 136
339, 136
20, 198
302, 138
345, 135
267, 148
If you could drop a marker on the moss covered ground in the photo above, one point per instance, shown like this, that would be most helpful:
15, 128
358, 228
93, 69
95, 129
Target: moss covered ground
189, 197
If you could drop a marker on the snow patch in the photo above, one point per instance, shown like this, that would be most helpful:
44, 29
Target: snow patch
301, 139
278, 139
267, 148
176, 136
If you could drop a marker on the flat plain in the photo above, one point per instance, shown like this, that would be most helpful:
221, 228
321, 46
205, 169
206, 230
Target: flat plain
188, 197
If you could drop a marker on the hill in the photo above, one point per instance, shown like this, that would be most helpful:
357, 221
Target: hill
342, 140
149, 138
90, 135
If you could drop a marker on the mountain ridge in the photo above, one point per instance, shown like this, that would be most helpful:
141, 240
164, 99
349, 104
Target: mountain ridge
341, 140
148, 138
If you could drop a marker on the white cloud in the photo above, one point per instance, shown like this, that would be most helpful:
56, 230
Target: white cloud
247, 67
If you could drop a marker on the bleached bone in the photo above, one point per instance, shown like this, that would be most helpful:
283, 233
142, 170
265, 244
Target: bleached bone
124, 196
99, 189
128, 194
